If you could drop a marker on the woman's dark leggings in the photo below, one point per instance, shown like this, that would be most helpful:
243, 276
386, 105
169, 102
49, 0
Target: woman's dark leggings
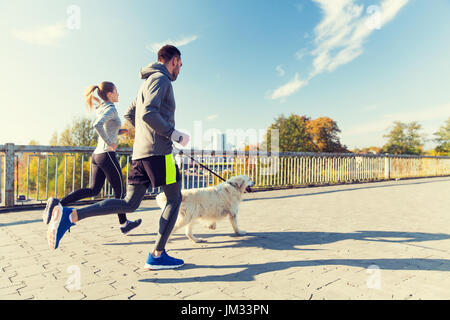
135, 194
104, 166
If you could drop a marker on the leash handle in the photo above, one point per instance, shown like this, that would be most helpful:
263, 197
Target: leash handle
181, 152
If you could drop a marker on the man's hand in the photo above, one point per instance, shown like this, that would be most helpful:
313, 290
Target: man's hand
180, 137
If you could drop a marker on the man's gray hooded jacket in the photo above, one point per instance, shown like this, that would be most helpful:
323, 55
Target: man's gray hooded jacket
153, 113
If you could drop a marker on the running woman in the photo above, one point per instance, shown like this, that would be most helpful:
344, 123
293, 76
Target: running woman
104, 160
153, 115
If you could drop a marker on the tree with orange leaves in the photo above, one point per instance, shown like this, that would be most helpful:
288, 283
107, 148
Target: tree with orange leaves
301, 134
324, 133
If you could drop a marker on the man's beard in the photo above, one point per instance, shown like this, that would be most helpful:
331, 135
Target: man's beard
175, 74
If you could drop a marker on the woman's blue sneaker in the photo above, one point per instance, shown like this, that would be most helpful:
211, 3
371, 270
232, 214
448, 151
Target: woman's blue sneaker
164, 261
58, 226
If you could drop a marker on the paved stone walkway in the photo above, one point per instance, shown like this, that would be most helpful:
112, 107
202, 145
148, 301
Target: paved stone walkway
385, 240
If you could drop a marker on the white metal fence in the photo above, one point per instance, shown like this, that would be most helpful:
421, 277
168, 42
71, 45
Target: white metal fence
31, 174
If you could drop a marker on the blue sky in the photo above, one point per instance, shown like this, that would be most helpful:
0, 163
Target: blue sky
364, 64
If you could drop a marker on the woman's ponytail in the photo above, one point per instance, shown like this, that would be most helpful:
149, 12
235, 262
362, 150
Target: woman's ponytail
102, 91
89, 96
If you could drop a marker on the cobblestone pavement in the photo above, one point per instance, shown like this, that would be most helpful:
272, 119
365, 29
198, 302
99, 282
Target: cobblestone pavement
384, 240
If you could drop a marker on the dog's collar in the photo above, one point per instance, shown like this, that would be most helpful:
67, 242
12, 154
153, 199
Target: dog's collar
233, 185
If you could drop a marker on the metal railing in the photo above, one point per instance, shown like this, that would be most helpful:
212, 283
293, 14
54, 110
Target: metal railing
31, 174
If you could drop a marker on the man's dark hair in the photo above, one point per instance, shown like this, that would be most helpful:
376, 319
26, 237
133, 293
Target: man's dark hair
166, 53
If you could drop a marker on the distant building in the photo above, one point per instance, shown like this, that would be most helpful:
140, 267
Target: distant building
219, 142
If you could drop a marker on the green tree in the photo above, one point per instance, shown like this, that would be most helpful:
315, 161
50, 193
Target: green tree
301, 134
54, 139
365, 150
404, 138
443, 139
65, 139
292, 133
80, 133
127, 140
33, 143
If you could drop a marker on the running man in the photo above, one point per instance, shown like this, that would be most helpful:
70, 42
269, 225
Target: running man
104, 160
152, 114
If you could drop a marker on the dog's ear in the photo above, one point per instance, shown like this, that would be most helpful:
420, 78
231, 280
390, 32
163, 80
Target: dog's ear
237, 182
240, 182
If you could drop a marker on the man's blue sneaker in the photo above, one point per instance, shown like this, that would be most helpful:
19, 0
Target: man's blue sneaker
162, 262
130, 226
58, 226
47, 214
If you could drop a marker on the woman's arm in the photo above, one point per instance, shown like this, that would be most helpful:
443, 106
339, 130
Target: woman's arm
99, 123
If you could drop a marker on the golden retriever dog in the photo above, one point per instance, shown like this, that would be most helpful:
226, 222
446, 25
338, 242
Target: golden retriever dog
210, 204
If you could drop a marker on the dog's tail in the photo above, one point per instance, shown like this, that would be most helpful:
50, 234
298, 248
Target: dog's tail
161, 200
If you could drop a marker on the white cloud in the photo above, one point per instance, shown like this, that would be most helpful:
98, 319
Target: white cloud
301, 53
289, 88
368, 108
340, 35
212, 117
426, 114
280, 71
48, 35
430, 119
154, 47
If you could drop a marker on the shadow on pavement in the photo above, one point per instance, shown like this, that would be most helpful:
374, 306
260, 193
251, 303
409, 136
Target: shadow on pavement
15, 223
342, 190
251, 270
291, 240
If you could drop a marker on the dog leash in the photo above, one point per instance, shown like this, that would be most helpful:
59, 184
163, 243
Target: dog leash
182, 153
